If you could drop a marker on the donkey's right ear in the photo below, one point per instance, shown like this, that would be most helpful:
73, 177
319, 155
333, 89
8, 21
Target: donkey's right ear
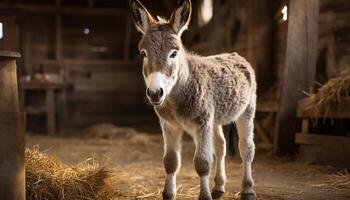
142, 18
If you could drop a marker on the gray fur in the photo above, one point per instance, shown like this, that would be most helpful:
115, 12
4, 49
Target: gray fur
206, 93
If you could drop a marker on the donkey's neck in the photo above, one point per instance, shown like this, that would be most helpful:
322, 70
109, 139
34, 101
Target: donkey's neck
179, 93
180, 96
183, 75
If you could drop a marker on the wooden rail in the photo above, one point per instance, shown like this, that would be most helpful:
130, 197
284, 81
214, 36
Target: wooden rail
67, 10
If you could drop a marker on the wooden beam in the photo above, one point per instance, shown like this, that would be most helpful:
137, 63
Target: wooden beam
27, 46
128, 29
91, 3
314, 139
250, 32
58, 38
77, 62
67, 10
299, 70
51, 112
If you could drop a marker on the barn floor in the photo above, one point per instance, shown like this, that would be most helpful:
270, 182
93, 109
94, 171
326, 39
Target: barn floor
136, 162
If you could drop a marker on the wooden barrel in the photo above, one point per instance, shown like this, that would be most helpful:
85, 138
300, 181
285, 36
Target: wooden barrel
12, 128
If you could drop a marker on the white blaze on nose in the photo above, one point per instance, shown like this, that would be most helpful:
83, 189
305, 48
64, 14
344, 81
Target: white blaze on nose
156, 80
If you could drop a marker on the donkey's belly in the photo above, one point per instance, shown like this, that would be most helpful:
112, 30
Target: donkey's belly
229, 107
228, 116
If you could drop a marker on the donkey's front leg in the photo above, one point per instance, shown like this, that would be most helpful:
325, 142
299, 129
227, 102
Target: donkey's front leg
203, 157
172, 158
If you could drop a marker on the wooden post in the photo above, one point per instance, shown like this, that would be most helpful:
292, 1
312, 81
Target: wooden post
128, 26
299, 70
58, 39
50, 111
27, 46
12, 127
259, 38
250, 32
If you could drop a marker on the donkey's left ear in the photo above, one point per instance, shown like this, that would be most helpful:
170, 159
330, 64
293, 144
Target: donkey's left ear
180, 18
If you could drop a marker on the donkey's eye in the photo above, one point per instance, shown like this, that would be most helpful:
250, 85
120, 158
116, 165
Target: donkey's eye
173, 55
143, 54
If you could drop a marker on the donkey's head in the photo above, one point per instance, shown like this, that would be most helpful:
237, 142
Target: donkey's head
161, 48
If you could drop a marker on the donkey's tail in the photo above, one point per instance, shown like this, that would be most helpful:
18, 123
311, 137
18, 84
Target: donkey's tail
231, 138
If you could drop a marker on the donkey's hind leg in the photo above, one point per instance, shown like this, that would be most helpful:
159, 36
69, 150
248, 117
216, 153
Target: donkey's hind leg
220, 153
245, 126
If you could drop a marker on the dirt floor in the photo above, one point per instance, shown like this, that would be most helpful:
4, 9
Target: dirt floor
136, 160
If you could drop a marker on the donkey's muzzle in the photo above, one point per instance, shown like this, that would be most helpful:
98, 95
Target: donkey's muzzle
155, 97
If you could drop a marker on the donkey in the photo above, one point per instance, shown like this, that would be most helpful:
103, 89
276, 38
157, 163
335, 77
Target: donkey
197, 95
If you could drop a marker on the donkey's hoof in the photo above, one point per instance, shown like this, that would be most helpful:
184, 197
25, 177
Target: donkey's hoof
205, 197
247, 196
216, 194
167, 196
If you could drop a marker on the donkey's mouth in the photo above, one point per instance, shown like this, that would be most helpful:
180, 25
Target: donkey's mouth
157, 103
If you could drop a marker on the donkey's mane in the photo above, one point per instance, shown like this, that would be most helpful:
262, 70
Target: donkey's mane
162, 20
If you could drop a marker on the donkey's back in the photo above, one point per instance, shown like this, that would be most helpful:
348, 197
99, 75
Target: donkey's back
229, 82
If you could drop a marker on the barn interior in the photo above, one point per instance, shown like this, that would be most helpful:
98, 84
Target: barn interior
72, 94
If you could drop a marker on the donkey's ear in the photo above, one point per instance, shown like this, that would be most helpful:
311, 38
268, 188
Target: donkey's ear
180, 18
142, 18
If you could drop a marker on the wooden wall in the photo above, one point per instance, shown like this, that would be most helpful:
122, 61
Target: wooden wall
103, 71
101, 66
334, 37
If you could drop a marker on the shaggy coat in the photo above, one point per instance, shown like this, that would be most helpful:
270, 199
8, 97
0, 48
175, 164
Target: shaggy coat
222, 85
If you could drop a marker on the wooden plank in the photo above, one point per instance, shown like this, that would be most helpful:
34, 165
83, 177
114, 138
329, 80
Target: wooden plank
128, 29
250, 32
67, 10
262, 134
27, 46
115, 97
127, 85
267, 106
305, 126
99, 62
51, 112
315, 139
117, 76
76, 63
299, 70
58, 38
40, 85
35, 110
327, 43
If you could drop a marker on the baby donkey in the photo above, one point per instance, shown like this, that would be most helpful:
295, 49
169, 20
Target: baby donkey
197, 95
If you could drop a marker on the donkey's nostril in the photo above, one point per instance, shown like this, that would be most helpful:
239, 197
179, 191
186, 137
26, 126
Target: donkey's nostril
156, 96
148, 92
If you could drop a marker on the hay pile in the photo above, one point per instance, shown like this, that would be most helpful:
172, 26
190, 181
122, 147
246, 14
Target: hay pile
337, 181
107, 131
110, 131
47, 178
334, 92
140, 182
